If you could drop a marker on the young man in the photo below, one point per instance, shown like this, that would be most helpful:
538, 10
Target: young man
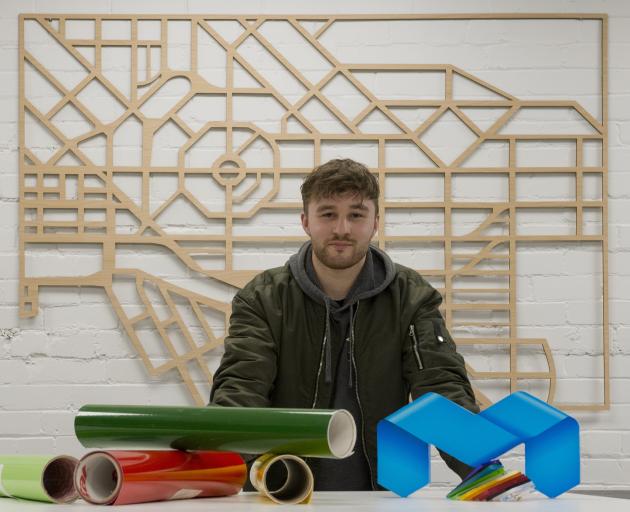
340, 326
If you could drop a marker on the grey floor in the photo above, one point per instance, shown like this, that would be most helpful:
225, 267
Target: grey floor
610, 494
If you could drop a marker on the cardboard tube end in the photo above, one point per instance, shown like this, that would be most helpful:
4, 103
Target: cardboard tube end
342, 434
98, 478
298, 482
58, 479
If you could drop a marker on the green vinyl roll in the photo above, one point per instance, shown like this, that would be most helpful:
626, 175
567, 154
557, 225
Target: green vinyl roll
302, 432
38, 477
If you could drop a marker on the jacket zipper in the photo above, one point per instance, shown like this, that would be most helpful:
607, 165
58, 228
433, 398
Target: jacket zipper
356, 391
319, 372
416, 352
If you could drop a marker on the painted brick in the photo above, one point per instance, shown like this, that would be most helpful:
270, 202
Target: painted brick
584, 313
617, 417
8, 61
49, 370
619, 184
69, 444
24, 423
13, 371
604, 472
619, 388
132, 371
59, 296
617, 158
555, 289
8, 266
600, 443
583, 366
58, 422
8, 157
8, 31
8, 292
619, 103
29, 342
9, 317
620, 75
89, 316
8, 214
52, 397
619, 25
27, 445
550, 313
619, 336
78, 344
160, 6
9, 186
75, 6
619, 287
111, 344
619, 309
11, 8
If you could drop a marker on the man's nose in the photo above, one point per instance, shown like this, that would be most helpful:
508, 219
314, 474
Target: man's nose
342, 225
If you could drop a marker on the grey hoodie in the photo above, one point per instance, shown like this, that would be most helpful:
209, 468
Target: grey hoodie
377, 273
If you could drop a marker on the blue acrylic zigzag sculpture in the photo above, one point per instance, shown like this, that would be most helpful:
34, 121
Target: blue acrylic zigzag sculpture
552, 443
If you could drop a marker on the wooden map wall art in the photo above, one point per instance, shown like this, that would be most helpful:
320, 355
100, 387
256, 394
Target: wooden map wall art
72, 195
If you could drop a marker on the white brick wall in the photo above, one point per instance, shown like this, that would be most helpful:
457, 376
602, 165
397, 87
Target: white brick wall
75, 352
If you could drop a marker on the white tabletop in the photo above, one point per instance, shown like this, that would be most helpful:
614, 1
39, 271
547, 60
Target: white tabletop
428, 499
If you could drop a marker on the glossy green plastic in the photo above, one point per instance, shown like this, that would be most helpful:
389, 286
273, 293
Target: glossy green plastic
302, 432
37, 477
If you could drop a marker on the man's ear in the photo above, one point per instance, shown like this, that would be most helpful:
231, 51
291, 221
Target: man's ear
304, 219
375, 225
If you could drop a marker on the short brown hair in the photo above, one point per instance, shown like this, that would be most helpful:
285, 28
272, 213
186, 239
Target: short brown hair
338, 177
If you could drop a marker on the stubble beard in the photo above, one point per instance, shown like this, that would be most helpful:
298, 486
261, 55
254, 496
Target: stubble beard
337, 262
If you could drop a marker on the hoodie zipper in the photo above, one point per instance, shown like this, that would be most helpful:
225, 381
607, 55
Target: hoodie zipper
356, 391
414, 344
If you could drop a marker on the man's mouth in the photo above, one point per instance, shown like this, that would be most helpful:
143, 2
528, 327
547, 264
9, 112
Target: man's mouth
339, 245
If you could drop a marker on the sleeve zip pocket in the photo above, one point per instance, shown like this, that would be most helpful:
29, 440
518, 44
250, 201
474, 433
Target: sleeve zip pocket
414, 345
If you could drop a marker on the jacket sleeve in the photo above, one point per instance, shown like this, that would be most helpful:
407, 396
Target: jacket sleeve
431, 363
248, 368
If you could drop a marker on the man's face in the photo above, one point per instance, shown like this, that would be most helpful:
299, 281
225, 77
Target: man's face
340, 228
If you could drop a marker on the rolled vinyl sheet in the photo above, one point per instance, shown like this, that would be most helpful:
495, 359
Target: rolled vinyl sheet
38, 477
302, 432
123, 477
298, 486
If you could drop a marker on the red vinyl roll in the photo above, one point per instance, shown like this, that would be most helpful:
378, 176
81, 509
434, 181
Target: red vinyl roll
120, 477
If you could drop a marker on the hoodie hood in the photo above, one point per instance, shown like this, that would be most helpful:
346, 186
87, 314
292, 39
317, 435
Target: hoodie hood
377, 273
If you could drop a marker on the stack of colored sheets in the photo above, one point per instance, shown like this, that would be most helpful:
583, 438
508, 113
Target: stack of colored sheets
489, 481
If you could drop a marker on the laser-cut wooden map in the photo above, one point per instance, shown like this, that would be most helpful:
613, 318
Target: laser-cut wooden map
71, 176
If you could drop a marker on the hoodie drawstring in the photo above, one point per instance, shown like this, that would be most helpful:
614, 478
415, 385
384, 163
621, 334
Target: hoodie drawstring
327, 346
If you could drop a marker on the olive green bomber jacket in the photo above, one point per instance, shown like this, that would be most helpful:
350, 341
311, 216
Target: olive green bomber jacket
274, 352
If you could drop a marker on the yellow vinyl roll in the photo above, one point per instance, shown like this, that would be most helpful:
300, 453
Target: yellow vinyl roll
299, 483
